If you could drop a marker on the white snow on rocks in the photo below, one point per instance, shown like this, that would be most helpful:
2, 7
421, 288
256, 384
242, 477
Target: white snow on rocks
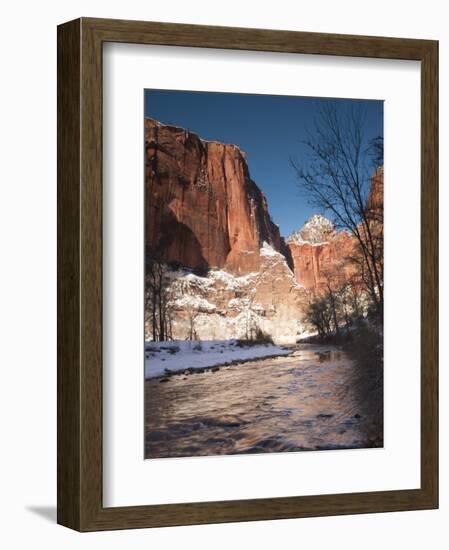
230, 282
316, 230
269, 252
218, 304
194, 302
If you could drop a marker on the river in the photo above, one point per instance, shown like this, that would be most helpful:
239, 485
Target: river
313, 399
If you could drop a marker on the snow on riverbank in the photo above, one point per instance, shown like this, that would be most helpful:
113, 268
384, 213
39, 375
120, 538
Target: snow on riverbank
178, 355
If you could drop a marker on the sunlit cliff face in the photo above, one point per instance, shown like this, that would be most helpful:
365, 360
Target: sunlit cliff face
202, 209
204, 213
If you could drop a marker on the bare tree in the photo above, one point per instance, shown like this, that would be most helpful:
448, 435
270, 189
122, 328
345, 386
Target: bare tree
337, 304
192, 314
332, 295
337, 179
157, 299
319, 314
376, 149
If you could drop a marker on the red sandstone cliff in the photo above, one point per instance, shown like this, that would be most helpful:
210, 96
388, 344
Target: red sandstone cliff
322, 255
319, 252
376, 194
201, 208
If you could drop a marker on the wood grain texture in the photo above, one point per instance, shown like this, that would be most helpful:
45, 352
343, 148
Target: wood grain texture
429, 271
69, 408
80, 274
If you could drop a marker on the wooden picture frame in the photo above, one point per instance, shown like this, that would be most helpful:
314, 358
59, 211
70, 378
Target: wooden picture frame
80, 351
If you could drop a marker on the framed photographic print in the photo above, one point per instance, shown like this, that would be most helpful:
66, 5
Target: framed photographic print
247, 288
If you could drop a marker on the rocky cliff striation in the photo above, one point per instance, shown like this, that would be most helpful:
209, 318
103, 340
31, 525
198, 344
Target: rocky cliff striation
319, 253
202, 210
375, 201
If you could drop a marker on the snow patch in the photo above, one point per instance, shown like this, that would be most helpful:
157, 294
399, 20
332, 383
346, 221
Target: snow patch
194, 302
269, 252
315, 231
178, 355
230, 282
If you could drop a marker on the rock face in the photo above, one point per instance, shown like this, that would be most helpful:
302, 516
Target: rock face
316, 230
319, 252
314, 263
221, 305
229, 273
376, 194
202, 208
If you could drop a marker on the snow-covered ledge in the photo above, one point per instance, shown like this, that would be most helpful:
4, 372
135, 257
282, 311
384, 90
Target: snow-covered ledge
179, 355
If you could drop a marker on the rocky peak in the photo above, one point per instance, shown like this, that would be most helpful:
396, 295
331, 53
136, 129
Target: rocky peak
317, 230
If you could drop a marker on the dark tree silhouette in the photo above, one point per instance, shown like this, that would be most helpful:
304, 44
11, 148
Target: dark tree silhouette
157, 300
376, 150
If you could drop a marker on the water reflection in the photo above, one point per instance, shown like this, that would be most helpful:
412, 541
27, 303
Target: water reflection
310, 400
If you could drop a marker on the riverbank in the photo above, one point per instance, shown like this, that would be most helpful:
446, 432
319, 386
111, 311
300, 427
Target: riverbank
165, 358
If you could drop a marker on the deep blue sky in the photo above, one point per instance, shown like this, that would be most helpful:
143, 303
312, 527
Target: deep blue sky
270, 129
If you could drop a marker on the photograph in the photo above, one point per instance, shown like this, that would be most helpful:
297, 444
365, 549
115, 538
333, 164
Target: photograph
263, 286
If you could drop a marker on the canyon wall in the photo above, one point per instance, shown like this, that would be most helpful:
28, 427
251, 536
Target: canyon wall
316, 263
204, 213
375, 201
319, 253
221, 305
202, 210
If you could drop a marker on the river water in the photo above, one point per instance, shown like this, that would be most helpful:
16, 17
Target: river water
313, 399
